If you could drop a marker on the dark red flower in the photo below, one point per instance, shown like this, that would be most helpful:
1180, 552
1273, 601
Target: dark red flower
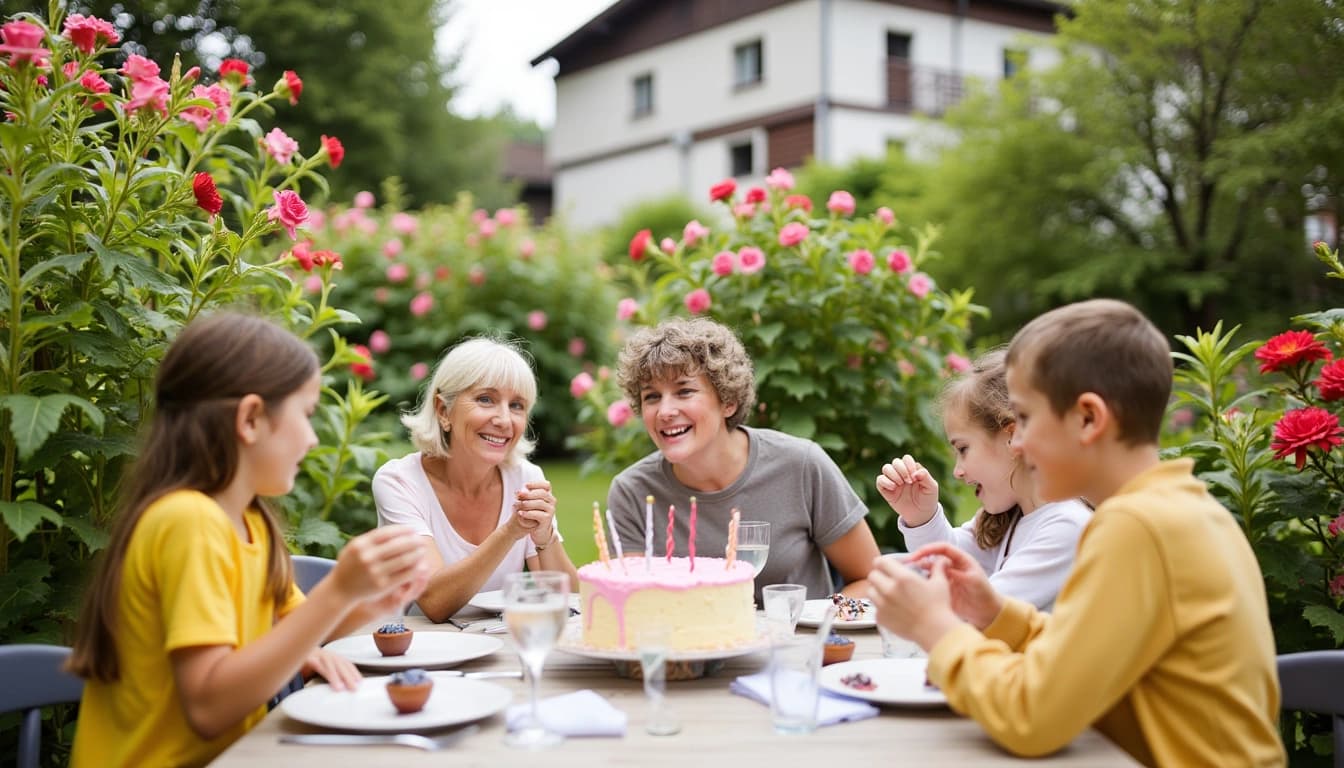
335, 150
203, 187
639, 243
1288, 349
235, 71
723, 190
364, 368
1306, 428
302, 253
293, 86
327, 258
755, 195
1331, 381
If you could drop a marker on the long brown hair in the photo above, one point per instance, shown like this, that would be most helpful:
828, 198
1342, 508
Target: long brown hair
982, 395
190, 444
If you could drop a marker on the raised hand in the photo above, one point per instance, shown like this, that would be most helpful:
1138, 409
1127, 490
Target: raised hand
536, 504
909, 489
910, 604
379, 562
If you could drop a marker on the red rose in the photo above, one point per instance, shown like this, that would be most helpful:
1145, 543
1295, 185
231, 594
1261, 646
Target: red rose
335, 150
203, 186
363, 369
1306, 428
1331, 381
639, 243
755, 195
1288, 349
290, 85
723, 190
798, 201
302, 253
235, 71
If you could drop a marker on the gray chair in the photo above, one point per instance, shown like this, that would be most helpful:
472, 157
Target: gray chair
34, 678
309, 570
1313, 681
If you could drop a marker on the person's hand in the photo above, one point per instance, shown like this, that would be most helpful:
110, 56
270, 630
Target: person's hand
972, 597
536, 504
394, 601
339, 672
908, 603
909, 489
379, 562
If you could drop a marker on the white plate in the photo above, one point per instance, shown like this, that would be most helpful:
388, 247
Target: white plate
493, 601
815, 610
898, 682
453, 700
428, 650
571, 641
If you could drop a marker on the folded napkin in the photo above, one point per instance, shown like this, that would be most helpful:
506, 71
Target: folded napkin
831, 709
581, 713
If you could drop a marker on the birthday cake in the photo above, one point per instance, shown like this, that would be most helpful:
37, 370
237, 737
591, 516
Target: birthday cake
705, 608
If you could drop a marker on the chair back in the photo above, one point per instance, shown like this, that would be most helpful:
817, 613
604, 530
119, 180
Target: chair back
1313, 681
34, 678
309, 570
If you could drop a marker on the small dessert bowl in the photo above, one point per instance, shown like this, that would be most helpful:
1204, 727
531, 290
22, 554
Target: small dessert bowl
393, 639
409, 690
836, 649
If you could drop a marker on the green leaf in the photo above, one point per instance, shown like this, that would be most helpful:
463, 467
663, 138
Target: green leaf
797, 422
314, 530
23, 516
890, 426
796, 385
33, 419
1327, 618
24, 585
94, 538
138, 270
70, 263
768, 333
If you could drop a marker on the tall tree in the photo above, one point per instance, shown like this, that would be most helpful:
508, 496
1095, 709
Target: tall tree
1170, 159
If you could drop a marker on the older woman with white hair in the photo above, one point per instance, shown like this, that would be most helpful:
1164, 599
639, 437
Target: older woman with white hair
483, 508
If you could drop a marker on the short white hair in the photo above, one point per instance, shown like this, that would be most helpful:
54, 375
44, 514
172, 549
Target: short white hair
474, 363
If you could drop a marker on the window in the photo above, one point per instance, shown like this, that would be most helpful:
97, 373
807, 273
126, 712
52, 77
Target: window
740, 158
898, 45
747, 63
1014, 59
643, 95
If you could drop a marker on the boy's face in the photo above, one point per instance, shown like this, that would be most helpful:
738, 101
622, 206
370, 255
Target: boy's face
1047, 442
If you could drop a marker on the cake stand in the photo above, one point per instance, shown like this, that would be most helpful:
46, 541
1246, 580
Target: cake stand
681, 665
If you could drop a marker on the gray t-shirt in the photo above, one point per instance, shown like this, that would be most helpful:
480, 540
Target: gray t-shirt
788, 481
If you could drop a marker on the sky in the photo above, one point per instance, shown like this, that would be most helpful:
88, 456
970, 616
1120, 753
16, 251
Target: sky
497, 39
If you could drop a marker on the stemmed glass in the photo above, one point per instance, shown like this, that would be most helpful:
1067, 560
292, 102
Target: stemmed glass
753, 543
536, 605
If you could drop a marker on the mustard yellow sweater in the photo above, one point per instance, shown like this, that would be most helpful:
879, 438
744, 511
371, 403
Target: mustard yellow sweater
1160, 638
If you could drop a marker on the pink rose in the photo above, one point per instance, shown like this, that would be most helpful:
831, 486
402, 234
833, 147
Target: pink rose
316, 220
957, 363
487, 228
151, 93
744, 210
419, 371
536, 320
668, 245
137, 67
724, 263
506, 217
779, 179
23, 42
697, 301
885, 216
618, 413
393, 248
84, 32
221, 97
526, 249
280, 146
920, 284
396, 273
580, 384
404, 223
692, 232
861, 261
421, 304
626, 308
793, 233
364, 199
751, 259
479, 215
899, 261
379, 341
840, 202
603, 373
577, 347
290, 209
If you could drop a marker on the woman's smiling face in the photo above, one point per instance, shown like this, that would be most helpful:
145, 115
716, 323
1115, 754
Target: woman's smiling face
683, 415
485, 422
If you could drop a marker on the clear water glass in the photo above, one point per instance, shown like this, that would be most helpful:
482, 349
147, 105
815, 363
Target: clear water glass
795, 692
536, 606
783, 607
753, 543
653, 652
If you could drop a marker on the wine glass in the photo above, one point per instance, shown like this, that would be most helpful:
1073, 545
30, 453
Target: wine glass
753, 543
536, 605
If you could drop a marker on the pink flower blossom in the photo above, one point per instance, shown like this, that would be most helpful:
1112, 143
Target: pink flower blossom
957, 363
906, 367
364, 199
618, 413
1336, 525
94, 83
419, 371
487, 228
626, 308
479, 215
192, 74
751, 259
724, 263
603, 373
84, 32
316, 220
697, 301
1337, 586
381, 295
366, 225
279, 145
793, 233
780, 179
744, 210
755, 195
221, 97
899, 261
290, 209
861, 261
526, 249
150, 92
476, 275
801, 202
379, 341
840, 202
692, 232
577, 346
404, 223
137, 67
581, 384
668, 245
536, 320
396, 273
920, 284
313, 284
393, 248
421, 304
506, 217
23, 42
885, 215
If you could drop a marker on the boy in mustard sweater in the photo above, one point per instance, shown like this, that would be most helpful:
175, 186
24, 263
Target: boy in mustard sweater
1160, 636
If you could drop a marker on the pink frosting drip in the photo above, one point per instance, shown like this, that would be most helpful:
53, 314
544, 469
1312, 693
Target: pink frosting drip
616, 586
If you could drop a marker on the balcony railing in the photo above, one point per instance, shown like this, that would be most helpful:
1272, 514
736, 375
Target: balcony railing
920, 89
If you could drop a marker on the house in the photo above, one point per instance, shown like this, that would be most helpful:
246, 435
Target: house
525, 164
658, 97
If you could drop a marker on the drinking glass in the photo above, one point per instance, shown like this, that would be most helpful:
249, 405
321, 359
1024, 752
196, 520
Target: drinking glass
653, 652
536, 605
783, 607
753, 543
795, 692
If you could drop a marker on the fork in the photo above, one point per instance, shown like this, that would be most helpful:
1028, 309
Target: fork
414, 740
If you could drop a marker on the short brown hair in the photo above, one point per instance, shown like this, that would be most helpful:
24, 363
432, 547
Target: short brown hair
1103, 346
688, 347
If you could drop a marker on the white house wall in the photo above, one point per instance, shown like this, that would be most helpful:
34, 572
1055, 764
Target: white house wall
596, 193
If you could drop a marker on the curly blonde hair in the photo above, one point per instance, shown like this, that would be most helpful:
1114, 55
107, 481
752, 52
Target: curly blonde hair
982, 397
689, 347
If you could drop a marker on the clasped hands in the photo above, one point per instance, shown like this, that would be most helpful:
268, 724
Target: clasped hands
534, 512
924, 608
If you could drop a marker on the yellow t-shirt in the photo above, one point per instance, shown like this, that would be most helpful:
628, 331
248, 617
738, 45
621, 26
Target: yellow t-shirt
188, 580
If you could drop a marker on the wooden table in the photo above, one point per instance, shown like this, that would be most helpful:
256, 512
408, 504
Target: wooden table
716, 724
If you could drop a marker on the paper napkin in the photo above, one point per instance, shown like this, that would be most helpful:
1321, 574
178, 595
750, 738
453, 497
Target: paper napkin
832, 708
581, 713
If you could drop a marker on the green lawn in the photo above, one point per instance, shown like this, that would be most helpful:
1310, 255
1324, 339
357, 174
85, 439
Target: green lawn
575, 509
